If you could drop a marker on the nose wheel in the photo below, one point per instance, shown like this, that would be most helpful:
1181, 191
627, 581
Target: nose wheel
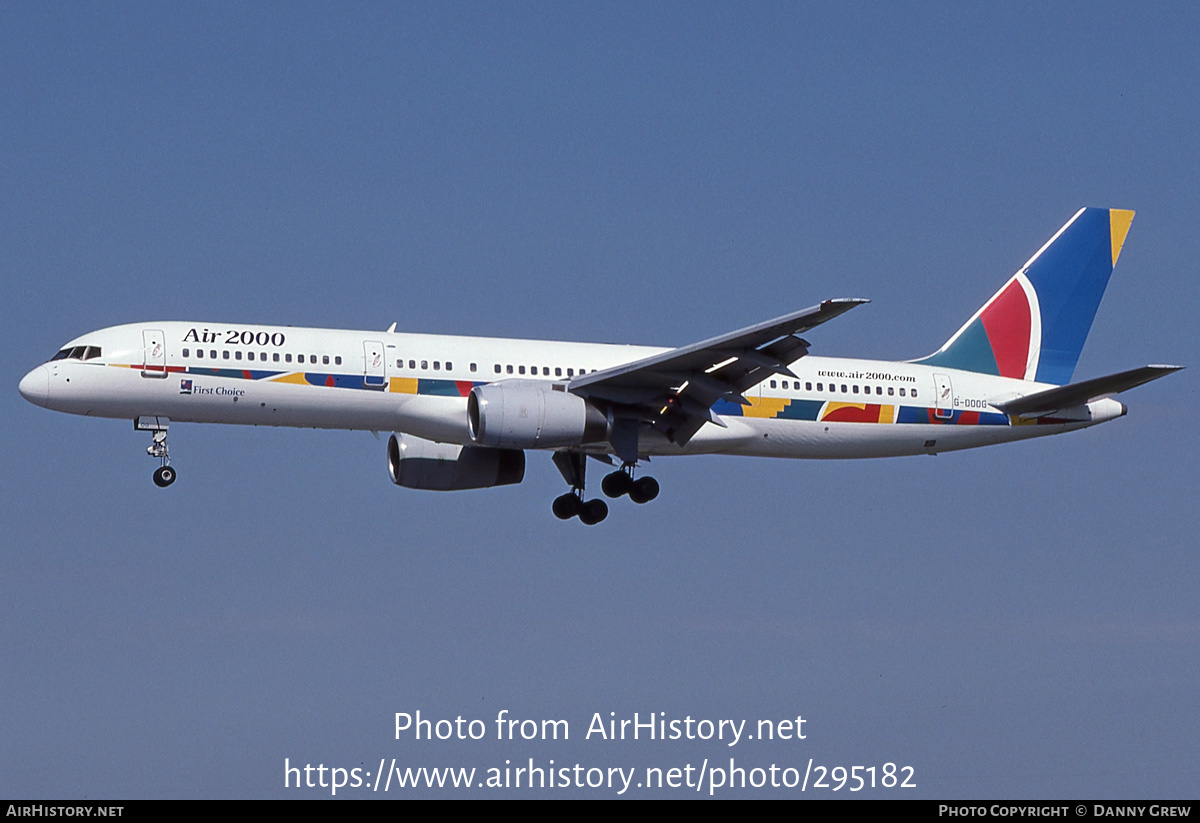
164, 475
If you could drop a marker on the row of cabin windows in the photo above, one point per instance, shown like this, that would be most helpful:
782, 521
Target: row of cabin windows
533, 370
437, 365
276, 357
878, 390
545, 371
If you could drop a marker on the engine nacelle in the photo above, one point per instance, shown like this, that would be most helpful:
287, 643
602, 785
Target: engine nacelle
526, 414
422, 464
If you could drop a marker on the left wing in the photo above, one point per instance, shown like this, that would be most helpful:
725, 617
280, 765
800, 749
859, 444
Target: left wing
674, 391
1077, 394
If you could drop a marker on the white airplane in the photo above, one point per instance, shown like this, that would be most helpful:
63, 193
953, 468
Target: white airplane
464, 409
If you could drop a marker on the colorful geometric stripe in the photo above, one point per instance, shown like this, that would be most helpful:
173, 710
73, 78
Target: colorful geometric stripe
763, 408
832, 411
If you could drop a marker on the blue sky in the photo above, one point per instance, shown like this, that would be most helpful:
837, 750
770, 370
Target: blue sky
1012, 622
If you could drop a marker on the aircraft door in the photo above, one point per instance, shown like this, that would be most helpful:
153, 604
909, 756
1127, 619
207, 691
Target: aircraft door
943, 397
375, 364
154, 353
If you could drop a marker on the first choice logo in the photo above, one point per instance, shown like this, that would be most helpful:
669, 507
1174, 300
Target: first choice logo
187, 387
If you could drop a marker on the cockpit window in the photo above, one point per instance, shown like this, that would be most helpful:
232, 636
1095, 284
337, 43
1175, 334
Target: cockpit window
77, 353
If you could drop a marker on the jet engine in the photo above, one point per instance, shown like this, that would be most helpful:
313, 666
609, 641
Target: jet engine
422, 464
524, 414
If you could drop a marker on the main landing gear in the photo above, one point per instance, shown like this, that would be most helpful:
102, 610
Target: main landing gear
620, 482
572, 465
572, 504
164, 475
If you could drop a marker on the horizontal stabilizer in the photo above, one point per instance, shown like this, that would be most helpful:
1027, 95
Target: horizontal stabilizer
1077, 394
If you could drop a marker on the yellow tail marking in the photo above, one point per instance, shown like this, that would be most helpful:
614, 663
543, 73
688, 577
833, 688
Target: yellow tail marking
1118, 223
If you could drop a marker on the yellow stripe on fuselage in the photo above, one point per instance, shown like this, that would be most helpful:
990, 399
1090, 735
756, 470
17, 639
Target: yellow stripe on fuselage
765, 407
402, 385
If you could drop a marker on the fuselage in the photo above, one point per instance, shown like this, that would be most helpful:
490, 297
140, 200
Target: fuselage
418, 384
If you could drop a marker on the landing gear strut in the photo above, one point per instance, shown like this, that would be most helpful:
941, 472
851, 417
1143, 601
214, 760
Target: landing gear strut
164, 475
572, 465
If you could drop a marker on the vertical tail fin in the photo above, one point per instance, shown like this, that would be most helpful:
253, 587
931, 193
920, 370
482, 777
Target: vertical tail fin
1035, 326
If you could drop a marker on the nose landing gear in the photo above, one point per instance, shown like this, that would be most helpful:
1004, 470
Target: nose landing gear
164, 475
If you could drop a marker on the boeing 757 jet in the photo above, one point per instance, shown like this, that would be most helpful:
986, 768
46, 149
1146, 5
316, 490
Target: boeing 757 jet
464, 410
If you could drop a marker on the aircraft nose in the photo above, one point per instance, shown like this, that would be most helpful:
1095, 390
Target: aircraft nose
35, 386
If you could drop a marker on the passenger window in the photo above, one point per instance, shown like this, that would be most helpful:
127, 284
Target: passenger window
400, 364
200, 353
262, 355
843, 388
288, 357
185, 352
275, 357
449, 365
472, 368
212, 354
425, 364
570, 372
772, 384
891, 391
520, 369
437, 365
497, 368
325, 359
249, 355
902, 391
237, 355
508, 369
225, 354
337, 360
545, 371
299, 358
855, 388
914, 392
820, 387
808, 387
